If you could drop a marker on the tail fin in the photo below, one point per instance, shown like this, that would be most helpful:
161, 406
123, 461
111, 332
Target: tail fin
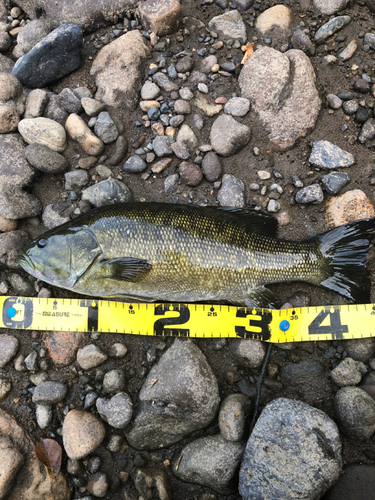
345, 249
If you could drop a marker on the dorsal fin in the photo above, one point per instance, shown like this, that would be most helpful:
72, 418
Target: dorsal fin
252, 221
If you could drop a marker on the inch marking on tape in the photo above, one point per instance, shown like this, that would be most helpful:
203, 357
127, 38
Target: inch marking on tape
189, 320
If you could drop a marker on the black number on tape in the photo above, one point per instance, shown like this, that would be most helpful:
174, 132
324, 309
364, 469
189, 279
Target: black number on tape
335, 328
93, 314
161, 325
263, 323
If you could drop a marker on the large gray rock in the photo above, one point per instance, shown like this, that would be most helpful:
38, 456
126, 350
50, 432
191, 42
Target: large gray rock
117, 70
210, 461
282, 91
294, 452
180, 395
87, 13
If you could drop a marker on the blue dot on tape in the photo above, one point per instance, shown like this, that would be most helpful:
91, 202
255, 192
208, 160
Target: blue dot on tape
11, 312
284, 325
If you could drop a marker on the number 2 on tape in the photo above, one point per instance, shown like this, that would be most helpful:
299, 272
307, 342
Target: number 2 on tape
335, 328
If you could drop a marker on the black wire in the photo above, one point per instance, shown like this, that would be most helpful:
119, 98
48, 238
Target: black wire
259, 385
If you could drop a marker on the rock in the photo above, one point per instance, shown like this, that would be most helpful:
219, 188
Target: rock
11, 93
333, 101
185, 64
92, 107
232, 192
330, 28
360, 349
355, 413
150, 480
31, 361
5, 388
20, 286
327, 155
276, 23
107, 192
162, 17
53, 111
161, 146
179, 395
210, 461
76, 179
29, 36
57, 55
368, 131
187, 136
248, 352
182, 107
116, 411
43, 415
32, 481
348, 207
348, 372
207, 108
181, 150
190, 174
228, 136
105, 128
287, 116
8, 348
88, 13
149, 91
11, 461
49, 392
232, 415
90, 356
348, 52
301, 438
237, 106
82, 433
164, 82
45, 159
310, 194
208, 63
80, 132
69, 101
35, 103
229, 26
134, 164
121, 148
329, 7
98, 485
62, 346
6, 64
301, 41
211, 167
43, 131
56, 214
114, 83
369, 39
9, 119
10, 245
355, 481
5, 41
334, 182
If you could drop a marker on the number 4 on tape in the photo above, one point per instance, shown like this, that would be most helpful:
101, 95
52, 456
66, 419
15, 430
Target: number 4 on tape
335, 328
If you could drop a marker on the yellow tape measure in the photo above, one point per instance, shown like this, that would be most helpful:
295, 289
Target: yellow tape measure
189, 320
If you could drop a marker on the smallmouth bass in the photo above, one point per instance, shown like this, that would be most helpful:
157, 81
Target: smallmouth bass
166, 252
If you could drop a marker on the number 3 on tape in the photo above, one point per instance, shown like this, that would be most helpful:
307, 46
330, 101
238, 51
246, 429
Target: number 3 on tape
335, 328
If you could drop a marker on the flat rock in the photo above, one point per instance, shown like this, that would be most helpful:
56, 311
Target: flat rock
228, 136
210, 461
286, 115
32, 482
327, 155
310, 194
43, 131
237, 106
276, 23
57, 55
301, 438
107, 192
355, 413
162, 17
348, 207
82, 433
229, 26
90, 14
117, 70
179, 395
35, 103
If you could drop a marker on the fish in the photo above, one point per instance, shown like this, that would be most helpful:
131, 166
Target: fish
184, 253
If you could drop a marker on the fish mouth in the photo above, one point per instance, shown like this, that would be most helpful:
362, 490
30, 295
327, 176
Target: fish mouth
26, 263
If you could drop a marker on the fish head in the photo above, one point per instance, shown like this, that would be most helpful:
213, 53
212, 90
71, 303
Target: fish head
60, 256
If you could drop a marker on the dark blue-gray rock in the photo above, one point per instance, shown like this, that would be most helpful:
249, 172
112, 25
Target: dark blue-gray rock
116, 411
121, 148
107, 192
350, 107
356, 481
345, 94
301, 41
105, 128
181, 150
54, 57
90, 14
232, 192
211, 167
369, 40
49, 393
46, 160
330, 28
362, 114
162, 146
310, 194
229, 26
76, 179
368, 131
164, 82
210, 461
242, 4
180, 395
69, 101
355, 413
228, 136
334, 182
153, 113
327, 155
134, 164
293, 452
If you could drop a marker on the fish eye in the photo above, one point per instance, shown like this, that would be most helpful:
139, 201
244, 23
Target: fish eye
42, 243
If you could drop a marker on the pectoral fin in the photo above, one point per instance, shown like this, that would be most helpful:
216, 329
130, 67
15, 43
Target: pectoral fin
126, 268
